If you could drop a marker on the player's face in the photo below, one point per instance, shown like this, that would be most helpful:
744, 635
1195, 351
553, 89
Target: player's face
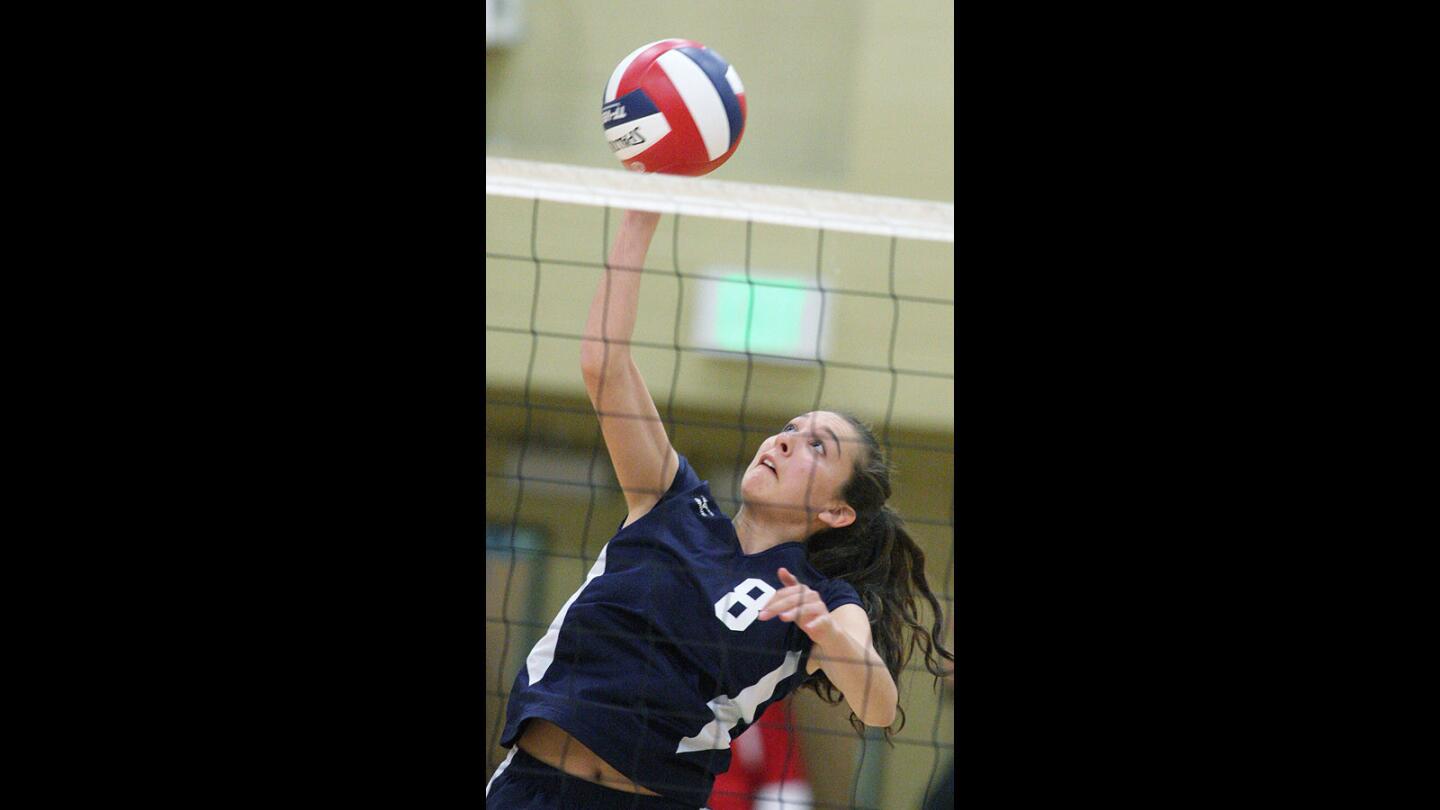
805, 465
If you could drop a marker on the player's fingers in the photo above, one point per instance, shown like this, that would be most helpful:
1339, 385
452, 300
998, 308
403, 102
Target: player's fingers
805, 610
788, 598
789, 593
787, 578
817, 622
779, 603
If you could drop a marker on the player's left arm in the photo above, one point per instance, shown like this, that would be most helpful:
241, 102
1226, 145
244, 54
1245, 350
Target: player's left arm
843, 649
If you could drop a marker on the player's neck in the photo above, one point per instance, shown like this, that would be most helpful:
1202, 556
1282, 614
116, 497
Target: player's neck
757, 535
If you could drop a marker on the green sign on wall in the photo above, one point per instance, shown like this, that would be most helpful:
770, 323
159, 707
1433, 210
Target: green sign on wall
768, 315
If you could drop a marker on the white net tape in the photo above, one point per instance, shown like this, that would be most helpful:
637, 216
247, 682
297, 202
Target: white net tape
699, 196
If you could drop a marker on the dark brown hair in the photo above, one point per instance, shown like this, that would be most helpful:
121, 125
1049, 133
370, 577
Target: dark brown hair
887, 569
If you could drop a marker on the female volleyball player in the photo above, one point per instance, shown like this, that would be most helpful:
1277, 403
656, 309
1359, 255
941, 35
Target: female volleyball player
669, 649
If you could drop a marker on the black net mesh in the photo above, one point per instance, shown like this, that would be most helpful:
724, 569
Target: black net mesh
552, 501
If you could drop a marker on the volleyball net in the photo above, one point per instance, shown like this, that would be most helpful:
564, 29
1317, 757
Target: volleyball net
759, 303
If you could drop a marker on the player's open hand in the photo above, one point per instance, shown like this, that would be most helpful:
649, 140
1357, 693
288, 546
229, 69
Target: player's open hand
797, 602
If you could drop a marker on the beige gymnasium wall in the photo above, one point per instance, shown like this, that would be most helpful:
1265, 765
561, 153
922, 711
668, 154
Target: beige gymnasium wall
845, 96
842, 94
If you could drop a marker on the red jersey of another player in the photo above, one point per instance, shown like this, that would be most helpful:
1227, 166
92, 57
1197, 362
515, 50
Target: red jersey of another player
767, 771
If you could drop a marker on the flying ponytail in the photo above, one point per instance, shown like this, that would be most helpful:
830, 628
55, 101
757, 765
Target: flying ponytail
877, 556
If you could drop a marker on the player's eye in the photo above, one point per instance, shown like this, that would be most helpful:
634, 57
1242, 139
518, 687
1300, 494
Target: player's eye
816, 443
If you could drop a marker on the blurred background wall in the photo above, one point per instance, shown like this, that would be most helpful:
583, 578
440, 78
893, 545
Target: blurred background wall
847, 95
843, 95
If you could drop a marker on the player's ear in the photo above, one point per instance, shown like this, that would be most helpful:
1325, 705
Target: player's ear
838, 516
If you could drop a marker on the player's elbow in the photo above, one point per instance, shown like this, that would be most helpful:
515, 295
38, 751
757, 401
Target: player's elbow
592, 369
880, 718
886, 706
877, 713
597, 362
592, 359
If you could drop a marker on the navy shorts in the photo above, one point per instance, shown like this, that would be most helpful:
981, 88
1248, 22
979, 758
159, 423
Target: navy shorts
523, 782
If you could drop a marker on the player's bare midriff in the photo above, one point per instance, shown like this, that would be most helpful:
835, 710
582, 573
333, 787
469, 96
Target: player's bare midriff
555, 747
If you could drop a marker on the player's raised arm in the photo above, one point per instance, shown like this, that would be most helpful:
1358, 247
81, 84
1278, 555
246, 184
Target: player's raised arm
645, 463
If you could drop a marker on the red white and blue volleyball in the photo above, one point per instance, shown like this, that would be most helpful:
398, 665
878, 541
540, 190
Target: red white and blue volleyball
673, 107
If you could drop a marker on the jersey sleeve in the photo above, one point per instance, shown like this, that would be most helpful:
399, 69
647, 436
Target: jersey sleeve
837, 592
685, 479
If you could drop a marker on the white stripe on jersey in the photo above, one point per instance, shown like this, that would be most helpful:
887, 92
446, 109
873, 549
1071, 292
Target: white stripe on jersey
728, 711
701, 98
543, 654
501, 769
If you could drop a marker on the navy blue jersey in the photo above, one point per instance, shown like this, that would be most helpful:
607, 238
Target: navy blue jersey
659, 660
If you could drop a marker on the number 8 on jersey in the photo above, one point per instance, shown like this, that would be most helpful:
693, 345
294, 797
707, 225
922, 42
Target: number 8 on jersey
741, 595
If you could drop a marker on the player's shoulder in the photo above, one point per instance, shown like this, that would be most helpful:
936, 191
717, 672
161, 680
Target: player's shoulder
685, 476
685, 480
688, 496
833, 590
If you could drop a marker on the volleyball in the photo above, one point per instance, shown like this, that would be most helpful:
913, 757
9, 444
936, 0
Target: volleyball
673, 107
